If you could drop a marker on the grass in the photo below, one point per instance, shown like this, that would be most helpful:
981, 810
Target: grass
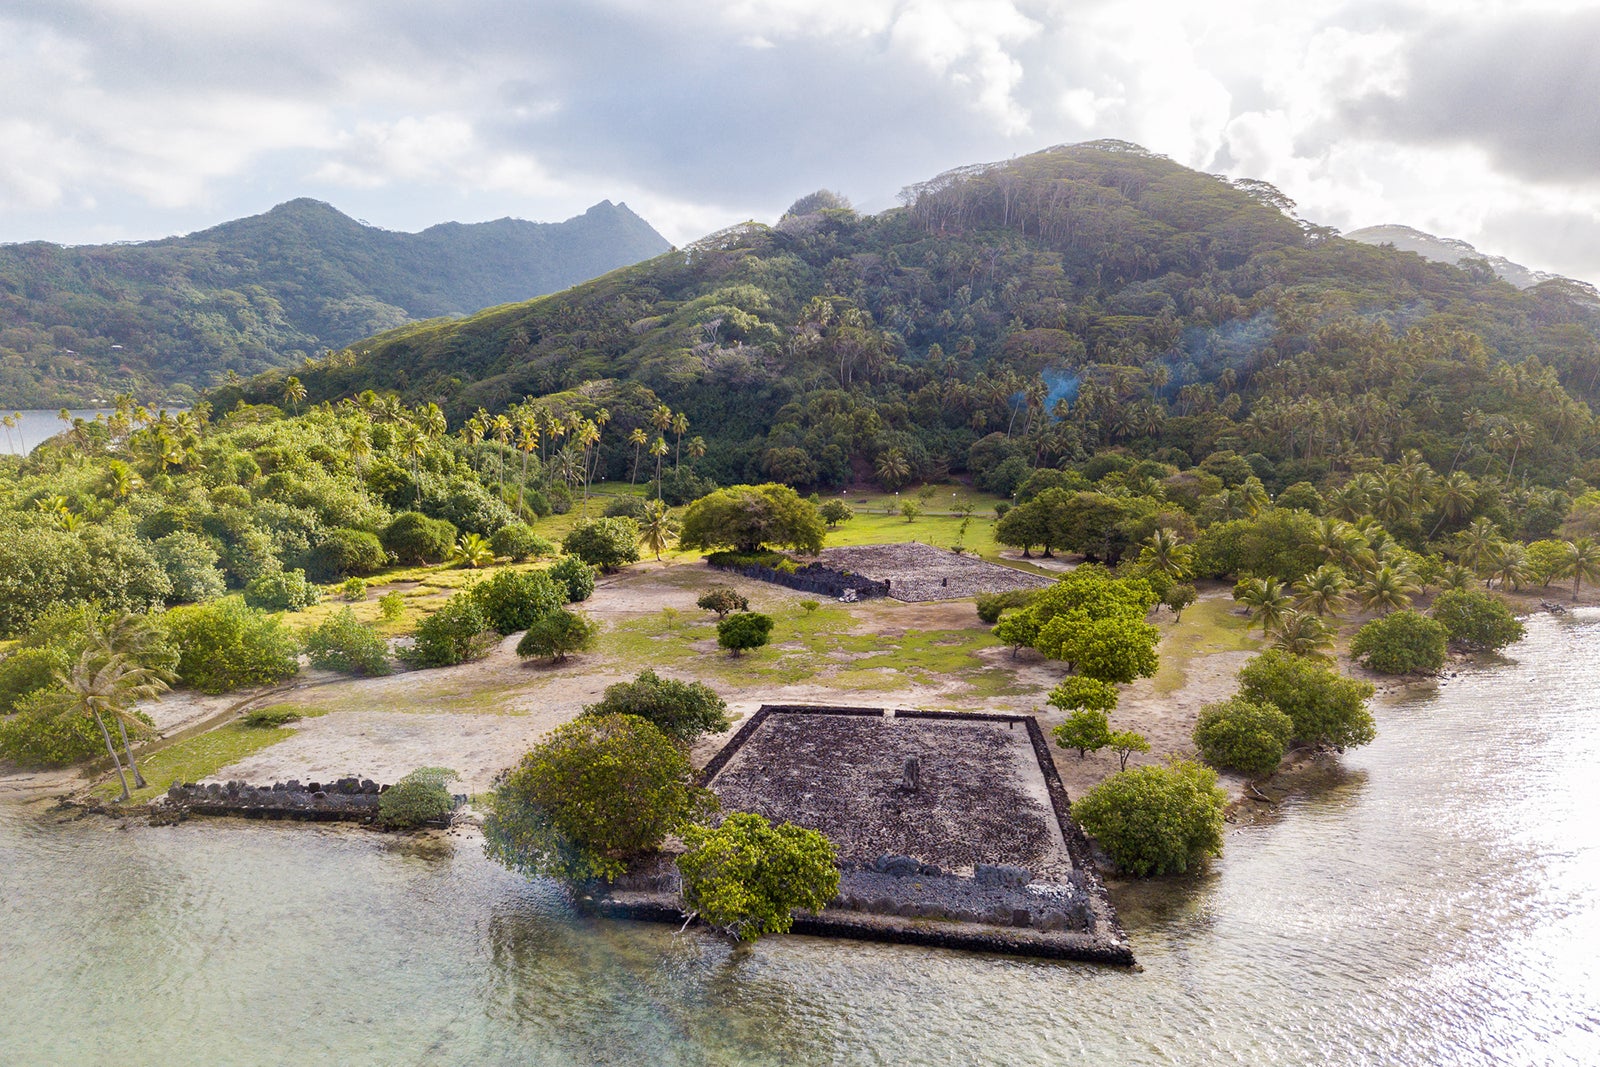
195, 758
1206, 626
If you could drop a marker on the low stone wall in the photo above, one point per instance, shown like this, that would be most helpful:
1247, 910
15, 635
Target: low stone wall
816, 578
347, 799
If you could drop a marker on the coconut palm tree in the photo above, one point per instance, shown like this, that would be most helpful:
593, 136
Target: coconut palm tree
1388, 588
414, 445
1163, 551
293, 392
1478, 542
100, 686
656, 527
638, 439
1267, 600
1509, 564
658, 448
1322, 592
893, 469
527, 441
680, 426
1582, 561
1300, 633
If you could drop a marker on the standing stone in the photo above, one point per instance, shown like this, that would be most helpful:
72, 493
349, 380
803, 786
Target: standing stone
911, 775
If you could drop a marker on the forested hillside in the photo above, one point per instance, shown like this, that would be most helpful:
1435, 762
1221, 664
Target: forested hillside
79, 324
1082, 298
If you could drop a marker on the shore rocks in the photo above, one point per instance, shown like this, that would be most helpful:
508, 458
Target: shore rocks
350, 799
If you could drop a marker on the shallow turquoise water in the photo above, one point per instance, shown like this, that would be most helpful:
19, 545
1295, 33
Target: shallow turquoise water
1438, 902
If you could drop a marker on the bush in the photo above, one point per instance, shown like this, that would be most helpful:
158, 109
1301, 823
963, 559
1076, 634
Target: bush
576, 575
1402, 642
281, 591
420, 797
40, 735
511, 600
747, 877
557, 635
341, 553
747, 630
28, 670
626, 507
415, 538
1076, 691
191, 565
1156, 820
604, 543
596, 794
1243, 735
809, 606
1475, 621
271, 718
391, 605
518, 542
990, 605
341, 643
226, 645
456, 633
1087, 730
681, 710
723, 601
1325, 707
354, 590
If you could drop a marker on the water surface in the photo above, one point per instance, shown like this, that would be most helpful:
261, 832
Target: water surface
1436, 901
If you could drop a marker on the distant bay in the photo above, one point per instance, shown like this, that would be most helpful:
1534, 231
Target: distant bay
37, 425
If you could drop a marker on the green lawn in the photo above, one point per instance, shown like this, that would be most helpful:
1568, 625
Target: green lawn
1206, 626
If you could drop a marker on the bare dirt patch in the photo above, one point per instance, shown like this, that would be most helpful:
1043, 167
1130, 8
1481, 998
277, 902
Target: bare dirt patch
918, 572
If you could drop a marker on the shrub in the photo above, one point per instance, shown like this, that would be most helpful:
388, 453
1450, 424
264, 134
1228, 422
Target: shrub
1087, 730
28, 670
747, 630
625, 507
511, 600
341, 643
990, 605
1155, 820
354, 590
604, 543
809, 606
1125, 743
391, 605
681, 710
1402, 642
594, 795
557, 635
1325, 707
747, 877
833, 512
40, 735
281, 591
420, 797
191, 565
271, 718
226, 644
1076, 691
576, 575
344, 552
456, 633
415, 538
1476, 621
517, 541
1243, 735
723, 601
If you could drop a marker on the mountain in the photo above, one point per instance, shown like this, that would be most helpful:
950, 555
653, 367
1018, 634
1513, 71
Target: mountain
84, 322
1448, 250
1037, 310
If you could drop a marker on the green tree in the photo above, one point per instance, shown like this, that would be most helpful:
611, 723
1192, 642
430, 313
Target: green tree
722, 600
418, 798
745, 631
747, 877
512, 600
1545, 561
557, 635
576, 575
1301, 633
1115, 649
1582, 560
415, 538
226, 644
343, 552
1178, 597
1086, 729
1267, 598
191, 566
1326, 708
342, 643
281, 591
457, 632
591, 798
1156, 820
746, 517
1019, 630
1388, 588
101, 686
1402, 642
1243, 735
681, 710
1078, 691
1125, 743
656, 528
834, 512
1475, 621
516, 541
1164, 552
605, 543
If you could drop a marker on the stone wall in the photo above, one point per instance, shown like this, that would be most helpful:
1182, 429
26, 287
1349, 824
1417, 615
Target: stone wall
347, 799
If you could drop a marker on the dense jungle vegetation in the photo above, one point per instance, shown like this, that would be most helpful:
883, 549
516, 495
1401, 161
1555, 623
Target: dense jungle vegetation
159, 318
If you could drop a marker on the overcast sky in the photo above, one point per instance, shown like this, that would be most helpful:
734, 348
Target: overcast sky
132, 119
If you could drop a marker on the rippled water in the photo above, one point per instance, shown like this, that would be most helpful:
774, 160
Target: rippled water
1436, 902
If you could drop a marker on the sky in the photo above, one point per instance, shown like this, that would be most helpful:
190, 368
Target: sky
135, 119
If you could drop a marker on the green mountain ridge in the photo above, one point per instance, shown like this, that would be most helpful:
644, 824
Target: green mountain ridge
80, 323
1081, 297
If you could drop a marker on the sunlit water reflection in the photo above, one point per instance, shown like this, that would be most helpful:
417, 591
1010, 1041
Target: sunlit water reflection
1437, 901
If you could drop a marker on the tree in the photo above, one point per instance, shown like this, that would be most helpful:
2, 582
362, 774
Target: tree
191, 566
910, 509
102, 686
293, 392
341, 643
1322, 591
226, 644
746, 517
419, 797
1019, 630
1545, 560
747, 877
1155, 820
512, 600
281, 591
576, 575
1243, 735
1115, 649
1267, 599
1326, 708
833, 512
592, 797
457, 632
343, 552
1125, 743
722, 600
1475, 621
1582, 560
557, 635
656, 528
681, 710
1164, 552
744, 631
605, 543
1080, 692
1300, 633
1178, 597
1087, 730
893, 469
1388, 588
516, 541
1402, 642
415, 538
